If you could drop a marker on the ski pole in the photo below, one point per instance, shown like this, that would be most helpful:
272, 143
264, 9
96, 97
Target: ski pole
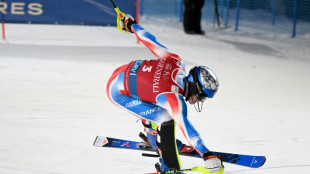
120, 16
200, 169
172, 171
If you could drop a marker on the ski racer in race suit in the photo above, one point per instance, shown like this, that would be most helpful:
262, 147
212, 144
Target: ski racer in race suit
154, 91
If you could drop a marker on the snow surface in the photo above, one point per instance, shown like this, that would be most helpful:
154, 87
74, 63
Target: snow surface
53, 101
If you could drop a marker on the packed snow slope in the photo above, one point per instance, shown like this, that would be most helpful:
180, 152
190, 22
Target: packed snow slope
53, 98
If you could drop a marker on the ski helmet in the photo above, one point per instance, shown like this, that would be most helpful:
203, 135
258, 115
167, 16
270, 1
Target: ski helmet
202, 81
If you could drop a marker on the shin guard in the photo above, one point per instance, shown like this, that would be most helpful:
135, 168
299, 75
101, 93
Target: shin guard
168, 146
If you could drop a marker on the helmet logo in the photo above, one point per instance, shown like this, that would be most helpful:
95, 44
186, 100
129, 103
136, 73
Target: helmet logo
199, 88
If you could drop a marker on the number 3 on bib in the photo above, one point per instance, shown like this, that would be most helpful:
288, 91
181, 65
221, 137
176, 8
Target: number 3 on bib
146, 68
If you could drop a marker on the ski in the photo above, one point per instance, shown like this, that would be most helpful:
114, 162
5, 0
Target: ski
233, 158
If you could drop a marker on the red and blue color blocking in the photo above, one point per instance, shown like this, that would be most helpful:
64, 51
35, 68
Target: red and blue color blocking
153, 89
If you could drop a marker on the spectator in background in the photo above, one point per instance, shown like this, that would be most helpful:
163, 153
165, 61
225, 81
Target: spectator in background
192, 16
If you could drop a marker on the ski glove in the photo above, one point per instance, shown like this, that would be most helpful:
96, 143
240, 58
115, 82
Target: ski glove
127, 22
212, 163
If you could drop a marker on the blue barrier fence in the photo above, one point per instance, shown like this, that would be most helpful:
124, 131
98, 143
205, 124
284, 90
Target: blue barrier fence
81, 12
275, 10
284, 16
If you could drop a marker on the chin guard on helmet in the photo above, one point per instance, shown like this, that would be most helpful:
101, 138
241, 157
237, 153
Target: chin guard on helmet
199, 105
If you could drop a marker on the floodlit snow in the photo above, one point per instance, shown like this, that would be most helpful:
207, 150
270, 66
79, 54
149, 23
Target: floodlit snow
53, 99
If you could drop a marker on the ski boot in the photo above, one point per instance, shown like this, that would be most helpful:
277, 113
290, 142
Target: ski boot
185, 149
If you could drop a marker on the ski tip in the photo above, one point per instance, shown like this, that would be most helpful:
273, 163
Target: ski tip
258, 162
100, 141
263, 161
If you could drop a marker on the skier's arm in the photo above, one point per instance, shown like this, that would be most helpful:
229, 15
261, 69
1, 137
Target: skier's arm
148, 39
176, 106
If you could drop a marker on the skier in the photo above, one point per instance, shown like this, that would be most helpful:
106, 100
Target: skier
154, 90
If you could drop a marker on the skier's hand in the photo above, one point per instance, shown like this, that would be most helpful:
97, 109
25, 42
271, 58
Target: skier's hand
126, 23
212, 163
